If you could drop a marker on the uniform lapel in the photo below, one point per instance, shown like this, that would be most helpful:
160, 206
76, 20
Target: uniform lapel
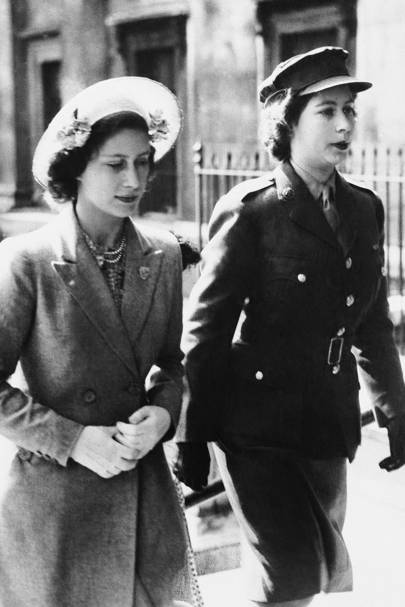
143, 265
303, 209
84, 281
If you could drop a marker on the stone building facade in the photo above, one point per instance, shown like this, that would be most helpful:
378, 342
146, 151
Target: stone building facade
211, 53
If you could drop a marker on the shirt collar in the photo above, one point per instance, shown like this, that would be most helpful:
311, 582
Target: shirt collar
315, 186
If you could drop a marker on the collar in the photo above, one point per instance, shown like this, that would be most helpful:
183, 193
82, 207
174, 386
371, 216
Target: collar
315, 186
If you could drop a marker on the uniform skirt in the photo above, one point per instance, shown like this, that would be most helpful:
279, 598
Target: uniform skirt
291, 510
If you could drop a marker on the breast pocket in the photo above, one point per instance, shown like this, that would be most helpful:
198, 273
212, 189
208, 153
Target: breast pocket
287, 278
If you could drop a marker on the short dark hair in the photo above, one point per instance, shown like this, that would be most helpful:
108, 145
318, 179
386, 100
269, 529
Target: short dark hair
280, 114
68, 165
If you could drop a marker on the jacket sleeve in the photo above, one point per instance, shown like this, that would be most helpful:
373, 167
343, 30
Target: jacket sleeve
211, 318
25, 422
165, 381
378, 356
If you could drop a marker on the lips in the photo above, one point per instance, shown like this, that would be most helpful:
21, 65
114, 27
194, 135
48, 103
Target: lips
341, 145
127, 199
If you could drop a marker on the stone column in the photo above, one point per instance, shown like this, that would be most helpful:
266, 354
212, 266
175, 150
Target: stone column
84, 42
7, 127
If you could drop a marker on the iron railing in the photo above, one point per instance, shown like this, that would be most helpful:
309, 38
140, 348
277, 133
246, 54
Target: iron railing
217, 170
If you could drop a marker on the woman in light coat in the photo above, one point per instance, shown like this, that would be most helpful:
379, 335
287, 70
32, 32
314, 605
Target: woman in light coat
91, 307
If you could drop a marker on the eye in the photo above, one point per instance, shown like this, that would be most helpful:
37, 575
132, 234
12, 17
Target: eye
116, 165
329, 112
350, 111
142, 163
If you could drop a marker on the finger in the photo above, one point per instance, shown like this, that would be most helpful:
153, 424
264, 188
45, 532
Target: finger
127, 465
129, 442
127, 429
139, 415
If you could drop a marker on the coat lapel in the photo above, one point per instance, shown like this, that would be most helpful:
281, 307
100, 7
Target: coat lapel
348, 212
143, 265
84, 281
303, 209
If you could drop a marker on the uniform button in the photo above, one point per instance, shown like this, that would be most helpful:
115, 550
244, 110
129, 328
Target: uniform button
335, 369
349, 300
246, 301
341, 331
71, 283
287, 194
259, 375
384, 271
301, 277
89, 396
348, 263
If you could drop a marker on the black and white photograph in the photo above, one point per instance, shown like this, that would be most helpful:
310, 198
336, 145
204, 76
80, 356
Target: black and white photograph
202, 303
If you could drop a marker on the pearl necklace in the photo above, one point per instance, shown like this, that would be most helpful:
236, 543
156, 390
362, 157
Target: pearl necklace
111, 256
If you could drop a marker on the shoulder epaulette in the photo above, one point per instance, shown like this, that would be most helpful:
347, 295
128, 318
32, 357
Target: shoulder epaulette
250, 186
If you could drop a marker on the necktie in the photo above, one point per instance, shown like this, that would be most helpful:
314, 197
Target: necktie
329, 208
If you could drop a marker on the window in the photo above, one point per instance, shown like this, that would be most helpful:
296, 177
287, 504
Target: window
288, 31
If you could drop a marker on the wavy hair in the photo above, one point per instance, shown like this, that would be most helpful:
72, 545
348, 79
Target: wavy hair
280, 114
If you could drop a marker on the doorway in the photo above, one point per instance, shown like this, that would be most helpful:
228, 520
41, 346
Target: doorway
155, 49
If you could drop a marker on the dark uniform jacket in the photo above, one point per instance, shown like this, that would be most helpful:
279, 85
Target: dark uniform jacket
287, 377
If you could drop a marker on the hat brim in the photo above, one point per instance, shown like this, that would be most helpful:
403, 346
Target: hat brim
143, 96
327, 83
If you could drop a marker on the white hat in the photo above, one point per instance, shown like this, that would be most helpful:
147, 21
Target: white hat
71, 127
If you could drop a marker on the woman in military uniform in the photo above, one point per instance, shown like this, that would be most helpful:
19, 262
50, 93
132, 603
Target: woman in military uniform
299, 253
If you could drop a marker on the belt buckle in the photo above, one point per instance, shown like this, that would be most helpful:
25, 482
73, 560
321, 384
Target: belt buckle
335, 350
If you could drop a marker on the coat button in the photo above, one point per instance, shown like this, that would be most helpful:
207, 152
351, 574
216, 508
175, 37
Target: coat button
341, 331
384, 271
24, 454
335, 369
348, 263
89, 396
259, 375
349, 300
301, 278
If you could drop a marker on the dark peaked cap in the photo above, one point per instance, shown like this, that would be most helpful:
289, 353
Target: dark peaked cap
311, 72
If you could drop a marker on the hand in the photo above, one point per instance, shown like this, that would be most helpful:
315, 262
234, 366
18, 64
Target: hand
97, 450
396, 437
145, 429
192, 465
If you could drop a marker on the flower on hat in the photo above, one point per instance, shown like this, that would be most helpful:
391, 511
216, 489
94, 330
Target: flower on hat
158, 127
75, 134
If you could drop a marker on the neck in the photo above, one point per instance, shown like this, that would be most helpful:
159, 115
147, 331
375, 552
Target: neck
103, 231
320, 174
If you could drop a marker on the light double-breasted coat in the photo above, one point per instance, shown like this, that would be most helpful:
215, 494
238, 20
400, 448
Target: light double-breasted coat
68, 537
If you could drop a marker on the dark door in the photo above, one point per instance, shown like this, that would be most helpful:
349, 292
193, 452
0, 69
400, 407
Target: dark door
301, 42
159, 64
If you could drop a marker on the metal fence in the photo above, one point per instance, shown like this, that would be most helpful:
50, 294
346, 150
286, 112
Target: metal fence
217, 169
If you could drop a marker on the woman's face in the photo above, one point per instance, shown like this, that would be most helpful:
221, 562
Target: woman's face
115, 178
321, 138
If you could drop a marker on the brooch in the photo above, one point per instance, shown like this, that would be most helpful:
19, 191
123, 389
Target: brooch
144, 272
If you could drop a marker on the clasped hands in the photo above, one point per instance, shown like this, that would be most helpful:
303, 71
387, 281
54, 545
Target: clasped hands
110, 450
